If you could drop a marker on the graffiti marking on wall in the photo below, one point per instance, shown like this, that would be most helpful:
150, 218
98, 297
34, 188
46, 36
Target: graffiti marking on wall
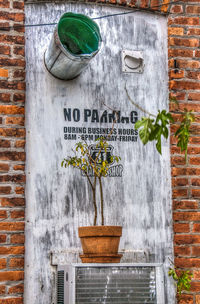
115, 170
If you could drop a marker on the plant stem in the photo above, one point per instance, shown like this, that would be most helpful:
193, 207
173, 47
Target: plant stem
89, 180
136, 105
94, 200
101, 194
93, 186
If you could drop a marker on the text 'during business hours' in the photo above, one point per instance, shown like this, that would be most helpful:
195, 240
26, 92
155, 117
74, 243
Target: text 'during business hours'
121, 128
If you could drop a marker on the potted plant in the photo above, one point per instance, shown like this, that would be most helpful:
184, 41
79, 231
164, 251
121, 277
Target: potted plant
100, 243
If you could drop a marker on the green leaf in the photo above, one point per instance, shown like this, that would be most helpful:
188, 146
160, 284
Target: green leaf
183, 132
182, 279
151, 129
165, 132
173, 99
146, 125
139, 123
158, 145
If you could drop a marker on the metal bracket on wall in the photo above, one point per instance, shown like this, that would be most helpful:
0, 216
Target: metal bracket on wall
132, 61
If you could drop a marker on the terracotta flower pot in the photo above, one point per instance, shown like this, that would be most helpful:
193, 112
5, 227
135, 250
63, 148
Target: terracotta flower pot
100, 244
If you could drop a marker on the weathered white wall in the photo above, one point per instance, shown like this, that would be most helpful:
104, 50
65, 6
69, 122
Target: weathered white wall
57, 198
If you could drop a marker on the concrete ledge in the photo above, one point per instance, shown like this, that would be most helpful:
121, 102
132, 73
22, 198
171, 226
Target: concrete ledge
72, 256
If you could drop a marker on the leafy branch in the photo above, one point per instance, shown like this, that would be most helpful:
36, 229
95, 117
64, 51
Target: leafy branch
182, 279
151, 129
183, 132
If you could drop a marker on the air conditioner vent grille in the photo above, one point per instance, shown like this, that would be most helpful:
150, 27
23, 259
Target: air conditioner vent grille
60, 287
122, 285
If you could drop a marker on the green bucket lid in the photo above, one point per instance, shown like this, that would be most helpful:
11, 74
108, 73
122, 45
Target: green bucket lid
79, 34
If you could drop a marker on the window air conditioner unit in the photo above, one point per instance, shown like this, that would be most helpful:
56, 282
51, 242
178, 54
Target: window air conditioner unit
110, 283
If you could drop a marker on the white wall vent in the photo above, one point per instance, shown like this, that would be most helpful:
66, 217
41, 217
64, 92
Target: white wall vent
110, 283
132, 61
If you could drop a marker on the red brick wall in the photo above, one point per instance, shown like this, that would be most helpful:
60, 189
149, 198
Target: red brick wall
184, 44
12, 155
184, 47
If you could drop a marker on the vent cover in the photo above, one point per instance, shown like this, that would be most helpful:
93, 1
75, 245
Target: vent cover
60, 287
113, 283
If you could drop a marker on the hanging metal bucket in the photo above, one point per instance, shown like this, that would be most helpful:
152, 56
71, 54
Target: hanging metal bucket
76, 40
